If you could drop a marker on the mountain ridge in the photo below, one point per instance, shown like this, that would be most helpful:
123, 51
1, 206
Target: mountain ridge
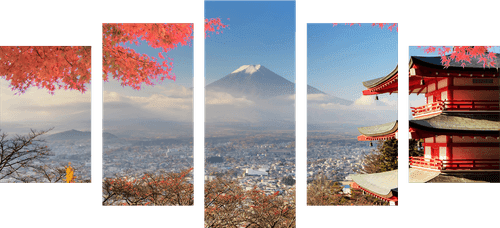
77, 135
256, 81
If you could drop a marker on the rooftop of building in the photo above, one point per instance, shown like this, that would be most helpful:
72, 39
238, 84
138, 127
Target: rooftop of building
377, 81
384, 184
379, 130
436, 62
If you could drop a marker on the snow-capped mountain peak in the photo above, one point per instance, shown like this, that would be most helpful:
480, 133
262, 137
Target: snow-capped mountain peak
249, 69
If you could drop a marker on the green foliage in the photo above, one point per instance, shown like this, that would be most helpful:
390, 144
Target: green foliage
388, 155
414, 148
384, 158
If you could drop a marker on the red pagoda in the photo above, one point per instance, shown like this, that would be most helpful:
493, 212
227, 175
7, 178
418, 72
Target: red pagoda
382, 185
459, 126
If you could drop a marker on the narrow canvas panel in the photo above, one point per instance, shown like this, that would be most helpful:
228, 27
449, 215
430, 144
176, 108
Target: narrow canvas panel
250, 114
454, 114
148, 114
45, 114
352, 112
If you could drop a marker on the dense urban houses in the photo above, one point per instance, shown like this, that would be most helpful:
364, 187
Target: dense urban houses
382, 185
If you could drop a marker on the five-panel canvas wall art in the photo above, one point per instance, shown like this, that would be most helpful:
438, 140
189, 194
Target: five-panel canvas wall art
250, 118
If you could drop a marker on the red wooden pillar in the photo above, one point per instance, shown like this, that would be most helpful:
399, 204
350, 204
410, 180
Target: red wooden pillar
450, 92
449, 140
435, 151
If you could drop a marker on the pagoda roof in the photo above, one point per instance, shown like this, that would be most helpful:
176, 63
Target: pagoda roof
421, 176
377, 81
384, 184
379, 130
417, 175
435, 62
459, 123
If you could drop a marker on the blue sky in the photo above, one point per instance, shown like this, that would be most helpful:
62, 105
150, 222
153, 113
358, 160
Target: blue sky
183, 69
259, 33
340, 58
419, 100
183, 61
166, 101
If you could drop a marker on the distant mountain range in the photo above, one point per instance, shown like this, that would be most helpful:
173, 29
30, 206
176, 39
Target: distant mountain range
77, 135
256, 81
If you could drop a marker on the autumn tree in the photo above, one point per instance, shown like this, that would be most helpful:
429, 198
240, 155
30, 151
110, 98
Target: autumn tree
46, 67
149, 190
324, 192
224, 201
21, 151
70, 171
228, 205
271, 210
464, 54
69, 68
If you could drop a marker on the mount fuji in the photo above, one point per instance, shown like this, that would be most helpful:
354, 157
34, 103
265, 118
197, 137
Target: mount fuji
256, 81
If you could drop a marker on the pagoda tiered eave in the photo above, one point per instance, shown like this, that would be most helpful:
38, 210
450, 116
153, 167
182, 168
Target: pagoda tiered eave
381, 185
386, 84
379, 132
456, 124
435, 63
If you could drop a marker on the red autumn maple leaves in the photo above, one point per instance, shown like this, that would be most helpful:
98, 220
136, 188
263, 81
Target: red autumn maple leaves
131, 68
69, 67
214, 25
391, 26
46, 67
464, 54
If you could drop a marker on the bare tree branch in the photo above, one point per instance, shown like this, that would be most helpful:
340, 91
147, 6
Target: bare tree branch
21, 151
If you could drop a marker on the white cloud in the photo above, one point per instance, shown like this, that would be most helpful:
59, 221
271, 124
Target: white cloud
223, 107
363, 111
365, 100
36, 108
221, 98
392, 103
174, 103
